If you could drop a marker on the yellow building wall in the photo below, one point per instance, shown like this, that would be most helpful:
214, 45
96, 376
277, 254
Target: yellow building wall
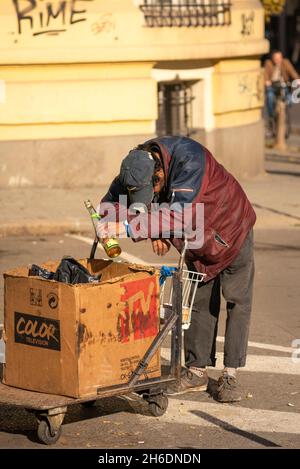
115, 31
76, 100
85, 69
238, 89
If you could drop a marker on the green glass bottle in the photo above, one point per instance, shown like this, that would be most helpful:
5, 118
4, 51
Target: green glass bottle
110, 245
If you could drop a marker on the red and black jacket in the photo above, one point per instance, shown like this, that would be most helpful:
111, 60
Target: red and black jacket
194, 176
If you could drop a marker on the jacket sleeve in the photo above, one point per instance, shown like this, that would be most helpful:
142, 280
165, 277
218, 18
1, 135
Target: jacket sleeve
291, 70
115, 190
113, 206
268, 70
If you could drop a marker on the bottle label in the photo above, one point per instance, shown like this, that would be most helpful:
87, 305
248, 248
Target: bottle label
111, 243
96, 216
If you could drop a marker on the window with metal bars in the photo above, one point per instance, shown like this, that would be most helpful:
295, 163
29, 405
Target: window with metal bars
188, 13
174, 109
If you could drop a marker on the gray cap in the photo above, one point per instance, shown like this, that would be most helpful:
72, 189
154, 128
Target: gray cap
136, 175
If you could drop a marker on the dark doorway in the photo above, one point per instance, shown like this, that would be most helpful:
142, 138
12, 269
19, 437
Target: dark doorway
175, 108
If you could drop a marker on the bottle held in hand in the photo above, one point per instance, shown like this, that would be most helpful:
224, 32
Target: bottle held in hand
110, 245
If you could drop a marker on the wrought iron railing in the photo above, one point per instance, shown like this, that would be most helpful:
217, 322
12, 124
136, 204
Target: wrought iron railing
186, 13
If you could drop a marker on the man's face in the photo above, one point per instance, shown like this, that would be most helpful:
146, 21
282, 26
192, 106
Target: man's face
159, 185
277, 58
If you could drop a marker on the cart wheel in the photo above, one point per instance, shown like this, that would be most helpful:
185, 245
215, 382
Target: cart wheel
158, 405
45, 434
88, 404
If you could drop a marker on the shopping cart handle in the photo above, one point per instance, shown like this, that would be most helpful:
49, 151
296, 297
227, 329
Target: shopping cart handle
182, 256
165, 271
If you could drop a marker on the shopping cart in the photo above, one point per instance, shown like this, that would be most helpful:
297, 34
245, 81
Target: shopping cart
190, 281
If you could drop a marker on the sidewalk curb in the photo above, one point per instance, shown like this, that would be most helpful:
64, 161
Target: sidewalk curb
282, 158
45, 227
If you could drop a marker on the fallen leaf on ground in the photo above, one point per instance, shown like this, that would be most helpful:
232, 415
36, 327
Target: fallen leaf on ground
290, 404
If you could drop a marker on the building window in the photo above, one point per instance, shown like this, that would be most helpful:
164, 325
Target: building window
174, 109
188, 13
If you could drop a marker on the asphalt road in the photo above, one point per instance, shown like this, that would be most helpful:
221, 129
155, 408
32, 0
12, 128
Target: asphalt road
269, 414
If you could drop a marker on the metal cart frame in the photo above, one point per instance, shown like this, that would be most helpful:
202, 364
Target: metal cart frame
50, 409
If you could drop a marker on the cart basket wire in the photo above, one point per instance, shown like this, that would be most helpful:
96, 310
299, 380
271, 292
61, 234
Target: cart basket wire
190, 283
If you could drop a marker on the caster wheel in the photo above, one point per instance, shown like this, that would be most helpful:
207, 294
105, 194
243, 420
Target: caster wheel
88, 404
158, 405
44, 433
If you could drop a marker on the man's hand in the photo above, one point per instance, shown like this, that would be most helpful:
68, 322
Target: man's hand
110, 229
160, 246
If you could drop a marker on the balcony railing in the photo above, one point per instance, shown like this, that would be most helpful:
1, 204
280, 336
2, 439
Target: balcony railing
186, 13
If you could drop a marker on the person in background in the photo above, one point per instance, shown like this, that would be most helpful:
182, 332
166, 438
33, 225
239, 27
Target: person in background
278, 70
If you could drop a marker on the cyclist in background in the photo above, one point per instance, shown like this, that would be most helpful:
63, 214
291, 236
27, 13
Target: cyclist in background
278, 71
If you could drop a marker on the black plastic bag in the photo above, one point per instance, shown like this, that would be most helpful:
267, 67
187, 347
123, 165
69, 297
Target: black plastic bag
37, 271
71, 271
68, 271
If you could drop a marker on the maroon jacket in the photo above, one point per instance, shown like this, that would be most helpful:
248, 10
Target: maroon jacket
194, 176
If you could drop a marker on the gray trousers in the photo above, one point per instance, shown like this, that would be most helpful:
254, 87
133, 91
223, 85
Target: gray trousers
237, 285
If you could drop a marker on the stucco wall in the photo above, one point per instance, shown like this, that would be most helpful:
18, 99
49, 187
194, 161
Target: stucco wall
77, 75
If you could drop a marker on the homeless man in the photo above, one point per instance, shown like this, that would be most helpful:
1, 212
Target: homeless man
180, 171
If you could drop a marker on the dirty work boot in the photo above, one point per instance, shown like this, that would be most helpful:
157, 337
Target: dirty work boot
227, 390
190, 381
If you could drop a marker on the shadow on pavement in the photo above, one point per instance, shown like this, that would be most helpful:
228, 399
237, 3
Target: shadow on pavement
232, 429
278, 212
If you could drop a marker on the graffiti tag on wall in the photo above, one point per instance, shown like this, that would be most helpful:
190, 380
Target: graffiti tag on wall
105, 24
251, 86
247, 23
49, 17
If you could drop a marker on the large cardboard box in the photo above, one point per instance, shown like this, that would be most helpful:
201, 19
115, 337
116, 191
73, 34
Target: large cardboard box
75, 340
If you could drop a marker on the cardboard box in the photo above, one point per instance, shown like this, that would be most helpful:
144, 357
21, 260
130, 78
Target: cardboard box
74, 340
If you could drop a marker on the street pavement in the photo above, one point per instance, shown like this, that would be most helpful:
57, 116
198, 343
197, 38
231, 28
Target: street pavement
267, 417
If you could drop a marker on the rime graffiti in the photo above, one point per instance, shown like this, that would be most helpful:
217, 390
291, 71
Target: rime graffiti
48, 17
247, 23
140, 314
